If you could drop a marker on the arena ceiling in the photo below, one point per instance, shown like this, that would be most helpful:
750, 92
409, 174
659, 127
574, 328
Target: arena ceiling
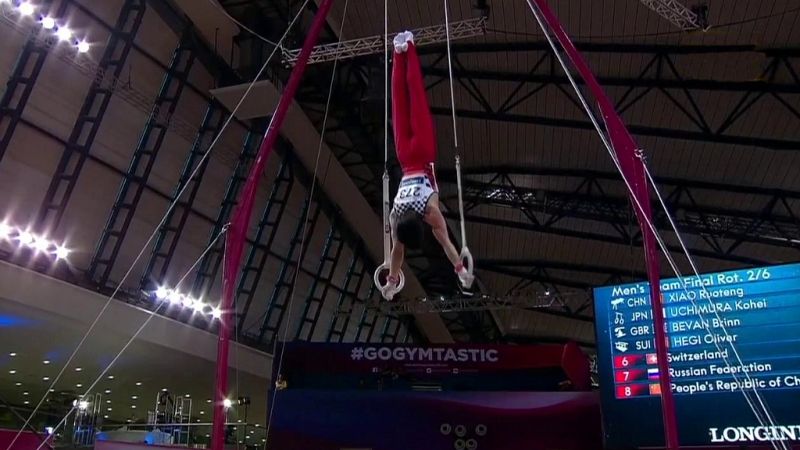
715, 110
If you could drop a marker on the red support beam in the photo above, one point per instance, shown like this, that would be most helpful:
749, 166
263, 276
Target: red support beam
237, 233
632, 168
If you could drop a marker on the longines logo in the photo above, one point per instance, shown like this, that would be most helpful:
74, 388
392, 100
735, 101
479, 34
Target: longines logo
756, 434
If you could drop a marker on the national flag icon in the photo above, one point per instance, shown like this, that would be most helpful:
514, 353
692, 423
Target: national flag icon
652, 373
655, 389
652, 358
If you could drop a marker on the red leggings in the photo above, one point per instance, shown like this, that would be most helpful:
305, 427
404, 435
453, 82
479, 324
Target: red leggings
414, 136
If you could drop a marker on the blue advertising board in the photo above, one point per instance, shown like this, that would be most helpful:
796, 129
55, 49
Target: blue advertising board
728, 334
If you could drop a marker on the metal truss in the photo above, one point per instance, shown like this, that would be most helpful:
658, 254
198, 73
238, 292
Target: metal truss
369, 316
723, 230
144, 156
348, 296
680, 16
170, 232
25, 73
267, 229
462, 29
391, 329
660, 73
90, 117
285, 283
466, 303
209, 266
322, 282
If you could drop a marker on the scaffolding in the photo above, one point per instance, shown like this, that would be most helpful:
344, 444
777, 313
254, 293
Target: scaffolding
353, 48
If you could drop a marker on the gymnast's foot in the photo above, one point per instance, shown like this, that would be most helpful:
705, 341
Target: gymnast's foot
401, 41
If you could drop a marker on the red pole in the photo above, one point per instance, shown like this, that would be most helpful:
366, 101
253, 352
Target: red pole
633, 170
237, 232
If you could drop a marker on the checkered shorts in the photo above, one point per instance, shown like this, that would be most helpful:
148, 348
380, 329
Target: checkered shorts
413, 194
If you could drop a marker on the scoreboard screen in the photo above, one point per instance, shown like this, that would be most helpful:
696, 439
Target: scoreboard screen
726, 332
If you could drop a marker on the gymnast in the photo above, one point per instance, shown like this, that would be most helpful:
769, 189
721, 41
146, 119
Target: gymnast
417, 199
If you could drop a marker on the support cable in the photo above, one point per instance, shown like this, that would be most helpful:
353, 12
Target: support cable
758, 413
299, 263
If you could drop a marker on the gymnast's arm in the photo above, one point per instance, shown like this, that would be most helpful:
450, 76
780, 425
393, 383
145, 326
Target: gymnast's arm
434, 218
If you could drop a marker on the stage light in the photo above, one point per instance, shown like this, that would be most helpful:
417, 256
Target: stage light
216, 313
174, 297
82, 405
227, 403
5, 230
26, 9
198, 306
25, 238
188, 302
162, 293
48, 430
46, 362
41, 244
61, 252
64, 33
48, 23
83, 47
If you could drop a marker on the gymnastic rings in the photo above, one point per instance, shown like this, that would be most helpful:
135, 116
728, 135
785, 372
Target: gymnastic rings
465, 258
385, 268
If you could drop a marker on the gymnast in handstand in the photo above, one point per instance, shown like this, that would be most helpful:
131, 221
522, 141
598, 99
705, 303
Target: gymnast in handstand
417, 199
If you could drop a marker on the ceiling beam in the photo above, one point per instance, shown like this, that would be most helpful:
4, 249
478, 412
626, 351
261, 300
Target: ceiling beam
606, 47
757, 86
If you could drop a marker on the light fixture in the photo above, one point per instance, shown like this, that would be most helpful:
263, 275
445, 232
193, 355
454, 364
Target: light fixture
12, 371
202, 413
78, 385
48, 23
111, 377
46, 362
78, 369
133, 397
41, 244
188, 302
17, 384
109, 409
83, 404
107, 391
138, 383
64, 33
45, 378
162, 293
48, 430
61, 252
26, 402
208, 400
12, 354
174, 297
26, 9
227, 403
108, 402
83, 47
25, 238
25, 393
133, 406
105, 417
5, 230
216, 313
186, 395
198, 306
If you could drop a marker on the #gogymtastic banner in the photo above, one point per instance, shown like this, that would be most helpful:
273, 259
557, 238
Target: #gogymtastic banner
464, 367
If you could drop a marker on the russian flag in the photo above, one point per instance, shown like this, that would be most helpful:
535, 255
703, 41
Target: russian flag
652, 373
